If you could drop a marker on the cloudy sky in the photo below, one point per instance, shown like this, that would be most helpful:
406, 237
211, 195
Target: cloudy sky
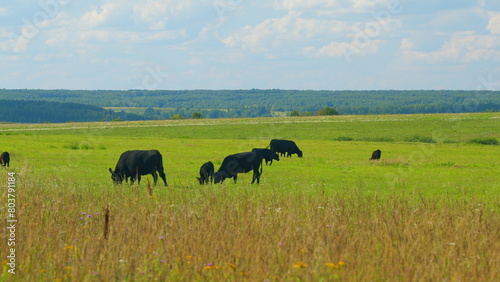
242, 44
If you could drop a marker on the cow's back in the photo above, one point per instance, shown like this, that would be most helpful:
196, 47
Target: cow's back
277, 145
138, 161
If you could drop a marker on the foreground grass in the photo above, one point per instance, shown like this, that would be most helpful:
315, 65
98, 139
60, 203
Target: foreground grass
245, 232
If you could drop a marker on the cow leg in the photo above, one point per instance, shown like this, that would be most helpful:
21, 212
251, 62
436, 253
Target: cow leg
163, 177
256, 175
155, 177
204, 178
235, 177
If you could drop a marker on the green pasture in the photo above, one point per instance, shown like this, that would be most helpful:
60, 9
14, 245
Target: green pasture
428, 210
336, 151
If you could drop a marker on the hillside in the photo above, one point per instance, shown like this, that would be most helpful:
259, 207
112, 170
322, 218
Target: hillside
43, 111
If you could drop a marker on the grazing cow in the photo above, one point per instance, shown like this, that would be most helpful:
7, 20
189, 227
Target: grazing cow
206, 173
285, 147
5, 159
376, 155
267, 154
133, 164
240, 163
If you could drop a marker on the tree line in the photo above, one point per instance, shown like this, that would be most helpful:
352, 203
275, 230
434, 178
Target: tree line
165, 104
54, 112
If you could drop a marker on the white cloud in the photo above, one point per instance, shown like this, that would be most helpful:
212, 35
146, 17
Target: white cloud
99, 16
156, 13
407, 44
461, 47
345, 5
494, 23
131, 37
348, 50
3, 11
287, 32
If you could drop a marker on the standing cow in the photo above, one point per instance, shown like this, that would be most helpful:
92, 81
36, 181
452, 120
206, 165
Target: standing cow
239, 163
133, 164
206, 173
5, 159
267, 154
285, 147
376, 155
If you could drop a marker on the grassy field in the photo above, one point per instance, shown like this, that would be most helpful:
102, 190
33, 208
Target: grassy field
428, 210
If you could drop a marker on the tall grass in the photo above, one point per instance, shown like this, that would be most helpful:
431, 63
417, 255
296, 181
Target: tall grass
245, 232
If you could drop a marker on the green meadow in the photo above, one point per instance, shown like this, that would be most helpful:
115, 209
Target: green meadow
429, 209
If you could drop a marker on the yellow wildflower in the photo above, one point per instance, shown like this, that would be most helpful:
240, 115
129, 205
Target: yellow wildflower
332, 265
299, 264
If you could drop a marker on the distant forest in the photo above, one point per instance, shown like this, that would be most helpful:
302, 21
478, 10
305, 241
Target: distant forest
164, 104
43, 111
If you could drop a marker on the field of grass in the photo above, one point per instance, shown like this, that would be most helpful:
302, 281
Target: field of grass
428, 210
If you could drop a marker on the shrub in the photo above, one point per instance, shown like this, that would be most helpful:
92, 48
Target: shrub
327, 111
483, 141
377, 139
177, 117
72, 146
196, 115
343, 138
422, 139
78, 146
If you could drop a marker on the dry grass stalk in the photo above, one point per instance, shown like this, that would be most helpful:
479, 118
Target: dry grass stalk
150, 190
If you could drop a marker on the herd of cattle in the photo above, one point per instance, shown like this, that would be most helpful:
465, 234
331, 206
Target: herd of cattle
133, 164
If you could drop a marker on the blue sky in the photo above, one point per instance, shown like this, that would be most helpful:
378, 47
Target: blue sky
243, 44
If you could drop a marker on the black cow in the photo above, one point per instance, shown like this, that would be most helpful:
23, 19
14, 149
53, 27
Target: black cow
267, 154
376, 155
206, 173
5, 159
285, 147
240, 163
133, 164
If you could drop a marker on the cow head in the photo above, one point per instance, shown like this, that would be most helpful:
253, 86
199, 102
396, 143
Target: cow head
116, 177
220, 176
200, 180
275, 156
299, 153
